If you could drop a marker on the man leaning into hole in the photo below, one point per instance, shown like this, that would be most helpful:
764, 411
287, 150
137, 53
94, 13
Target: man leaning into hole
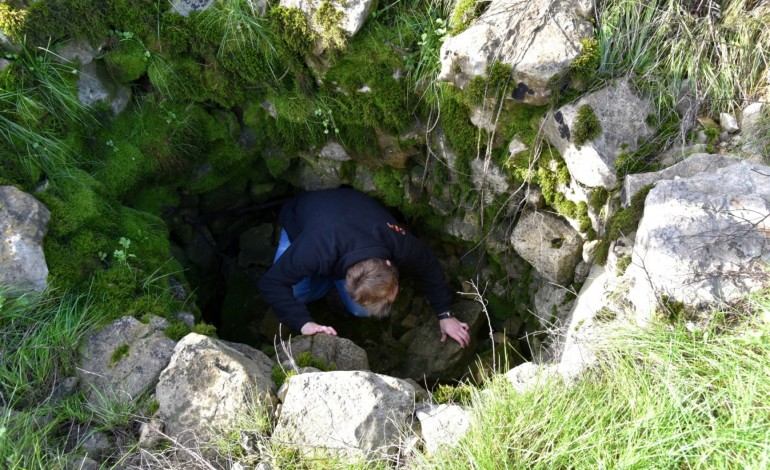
343, 238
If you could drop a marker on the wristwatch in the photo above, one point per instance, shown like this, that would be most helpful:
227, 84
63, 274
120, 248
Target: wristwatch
444, 316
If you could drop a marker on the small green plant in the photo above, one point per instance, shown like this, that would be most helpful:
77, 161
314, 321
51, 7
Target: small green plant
586, 126
327, 120
119, 353
123, 254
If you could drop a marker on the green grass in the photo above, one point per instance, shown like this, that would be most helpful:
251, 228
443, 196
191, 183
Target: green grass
721, 58
663, 397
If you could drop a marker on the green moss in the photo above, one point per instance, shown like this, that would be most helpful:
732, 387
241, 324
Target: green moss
281, 375
305, 359
626, 220
361, 91
598, 199
114, 285
119, 353
672, 309
75, 203
584, 67
49, 21
622, 223
149, 236
623, 264
493, 85
461, 394
11, 21
329, 18
584, 221
295, 27
602, 251
128, 61
463, 14
390, 186
123, 167
605, 315
586, 126
176, 330
205, 329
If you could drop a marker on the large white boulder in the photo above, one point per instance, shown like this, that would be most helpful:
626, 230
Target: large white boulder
23, 225
352, 415
693, 165
622, 115
208, 385
549, 244
124, 359
537, 39
703, 239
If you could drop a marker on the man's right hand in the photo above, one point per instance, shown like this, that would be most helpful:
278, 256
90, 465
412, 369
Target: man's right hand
310, 328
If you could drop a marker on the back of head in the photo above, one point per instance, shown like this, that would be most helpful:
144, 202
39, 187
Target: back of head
370, 283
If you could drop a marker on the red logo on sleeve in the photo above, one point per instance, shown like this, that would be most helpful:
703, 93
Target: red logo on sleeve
397, 229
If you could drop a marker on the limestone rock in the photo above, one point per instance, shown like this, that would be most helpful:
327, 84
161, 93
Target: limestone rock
622, 116
342, 353
728, 123
95, 87
78, 50
393, 151
207, 385
703, 239
185, 7
465, 228
488, 176
549, 244
313, 175
442, 425
123, 360
23, 225
693, 165
529, 375
516, 147
352, 414
427, 358
592, 314
537, 39
334, 151
552, 305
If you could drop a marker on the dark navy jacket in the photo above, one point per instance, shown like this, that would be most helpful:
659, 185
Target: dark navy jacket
330, 231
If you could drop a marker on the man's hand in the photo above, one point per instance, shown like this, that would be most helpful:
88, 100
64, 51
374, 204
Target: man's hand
456, 330
310, 328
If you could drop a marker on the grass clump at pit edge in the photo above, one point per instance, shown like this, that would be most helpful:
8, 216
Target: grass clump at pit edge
659, 397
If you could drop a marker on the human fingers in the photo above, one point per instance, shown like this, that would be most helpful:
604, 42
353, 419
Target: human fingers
462, 338
443, 336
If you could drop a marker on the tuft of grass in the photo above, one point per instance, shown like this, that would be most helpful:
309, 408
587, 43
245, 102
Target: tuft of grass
666, 396
717, 52
39, 337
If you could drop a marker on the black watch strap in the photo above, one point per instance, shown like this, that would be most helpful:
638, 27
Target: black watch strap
444, 316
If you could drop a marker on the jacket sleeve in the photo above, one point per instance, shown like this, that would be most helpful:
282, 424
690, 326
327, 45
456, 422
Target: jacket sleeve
276, 285
414, 257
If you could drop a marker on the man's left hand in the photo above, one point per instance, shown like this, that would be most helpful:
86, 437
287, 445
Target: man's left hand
456, 330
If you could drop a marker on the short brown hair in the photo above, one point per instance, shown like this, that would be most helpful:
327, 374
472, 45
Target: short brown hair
370, 282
